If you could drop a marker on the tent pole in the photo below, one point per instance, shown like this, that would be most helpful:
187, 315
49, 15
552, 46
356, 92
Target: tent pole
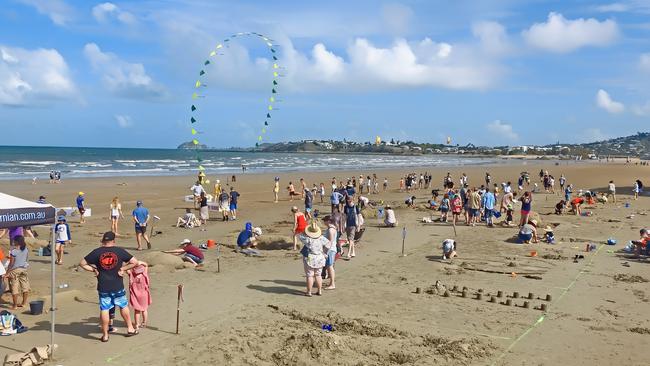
53, 291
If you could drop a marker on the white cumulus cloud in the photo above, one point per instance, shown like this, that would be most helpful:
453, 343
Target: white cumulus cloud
105, 11
502, 131
604, 101
124, 79
28, 76
562, 35
493, 37
123, 121
57, 10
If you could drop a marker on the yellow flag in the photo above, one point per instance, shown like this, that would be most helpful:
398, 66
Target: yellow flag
219, 46
201, 167
194, 95
272, 99
275, 66
193, 132
213, 53
264, 130
275, 74
195, 142
270, 107
269, 44
198, 83
207, 181
259, 138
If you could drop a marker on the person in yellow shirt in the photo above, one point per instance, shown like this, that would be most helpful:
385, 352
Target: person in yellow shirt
217, 188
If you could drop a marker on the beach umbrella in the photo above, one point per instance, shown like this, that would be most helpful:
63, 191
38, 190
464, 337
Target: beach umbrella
17, 212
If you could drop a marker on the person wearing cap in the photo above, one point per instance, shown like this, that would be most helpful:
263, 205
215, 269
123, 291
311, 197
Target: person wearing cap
234, 196
17, 271
313, 257
189, 252
448, 249
141, 219
528, 232
61, 237
247, 238
41, 200
81, 207
110, 263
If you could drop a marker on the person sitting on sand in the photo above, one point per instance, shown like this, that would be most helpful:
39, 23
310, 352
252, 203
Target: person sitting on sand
313, 257
528, 232
188, 220
575, 205
549, 236
189, 252
247, 238
390, 220
448, 249
559, 208
641, 245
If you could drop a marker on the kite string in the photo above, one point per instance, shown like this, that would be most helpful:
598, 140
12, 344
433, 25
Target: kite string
564, 292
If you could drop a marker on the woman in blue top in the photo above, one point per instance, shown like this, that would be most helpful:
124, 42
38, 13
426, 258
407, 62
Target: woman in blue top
526, 206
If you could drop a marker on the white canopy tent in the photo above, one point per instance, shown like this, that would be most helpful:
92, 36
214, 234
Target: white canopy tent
16, 212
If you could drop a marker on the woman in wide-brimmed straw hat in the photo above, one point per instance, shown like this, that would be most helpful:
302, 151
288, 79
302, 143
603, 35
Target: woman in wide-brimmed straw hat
313, 258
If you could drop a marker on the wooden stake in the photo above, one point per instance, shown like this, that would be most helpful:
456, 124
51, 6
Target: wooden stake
178, 308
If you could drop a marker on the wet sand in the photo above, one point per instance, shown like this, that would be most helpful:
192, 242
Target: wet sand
253, 312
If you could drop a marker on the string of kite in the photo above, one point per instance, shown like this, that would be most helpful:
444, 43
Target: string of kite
199, 93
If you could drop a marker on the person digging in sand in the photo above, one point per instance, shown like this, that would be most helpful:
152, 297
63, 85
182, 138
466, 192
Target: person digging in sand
189, 253
449, 249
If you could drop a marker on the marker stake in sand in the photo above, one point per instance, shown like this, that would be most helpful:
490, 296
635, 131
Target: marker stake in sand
178, 307
403, 241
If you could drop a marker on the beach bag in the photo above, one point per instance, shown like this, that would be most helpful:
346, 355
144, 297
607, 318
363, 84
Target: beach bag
9, 324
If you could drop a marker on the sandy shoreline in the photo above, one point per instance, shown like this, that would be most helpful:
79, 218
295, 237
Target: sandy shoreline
380, 321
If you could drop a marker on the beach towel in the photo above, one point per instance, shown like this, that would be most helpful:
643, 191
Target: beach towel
139, 292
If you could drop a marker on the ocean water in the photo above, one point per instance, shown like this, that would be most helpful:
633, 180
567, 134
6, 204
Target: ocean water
28, 162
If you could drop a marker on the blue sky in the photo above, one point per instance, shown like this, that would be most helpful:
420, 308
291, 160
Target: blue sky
121, 74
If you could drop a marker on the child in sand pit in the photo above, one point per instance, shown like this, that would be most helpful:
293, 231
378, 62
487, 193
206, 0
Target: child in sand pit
641, 245
449, 249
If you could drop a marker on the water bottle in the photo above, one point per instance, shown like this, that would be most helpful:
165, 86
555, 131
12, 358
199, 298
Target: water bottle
40, 251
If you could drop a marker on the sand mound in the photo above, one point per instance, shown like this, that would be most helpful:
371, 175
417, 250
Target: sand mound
289, 337
272, 242
622, 277
160, 259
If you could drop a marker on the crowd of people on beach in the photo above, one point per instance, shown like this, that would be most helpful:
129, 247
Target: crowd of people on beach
320, 238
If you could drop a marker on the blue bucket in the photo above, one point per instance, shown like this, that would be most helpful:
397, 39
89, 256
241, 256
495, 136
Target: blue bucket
611, 241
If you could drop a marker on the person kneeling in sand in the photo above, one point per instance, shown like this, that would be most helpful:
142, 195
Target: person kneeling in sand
189, 253
390, 220
188, 220
641, 245
528, 232
247, 238
449, 249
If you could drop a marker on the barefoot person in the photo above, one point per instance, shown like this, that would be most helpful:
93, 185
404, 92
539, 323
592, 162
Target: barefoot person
313, 257
110, 263
139, 293
81, 207
332, 236
17, 271
299, 225
189, 252
115, 214
62, 237
141, 219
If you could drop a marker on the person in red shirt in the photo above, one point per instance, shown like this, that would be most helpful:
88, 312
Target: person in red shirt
189, 252
641, 245
575, 205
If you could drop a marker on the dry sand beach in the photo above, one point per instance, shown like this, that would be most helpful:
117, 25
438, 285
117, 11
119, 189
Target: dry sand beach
253, 313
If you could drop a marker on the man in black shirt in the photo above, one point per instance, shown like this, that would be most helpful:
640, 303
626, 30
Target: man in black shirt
109, 264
